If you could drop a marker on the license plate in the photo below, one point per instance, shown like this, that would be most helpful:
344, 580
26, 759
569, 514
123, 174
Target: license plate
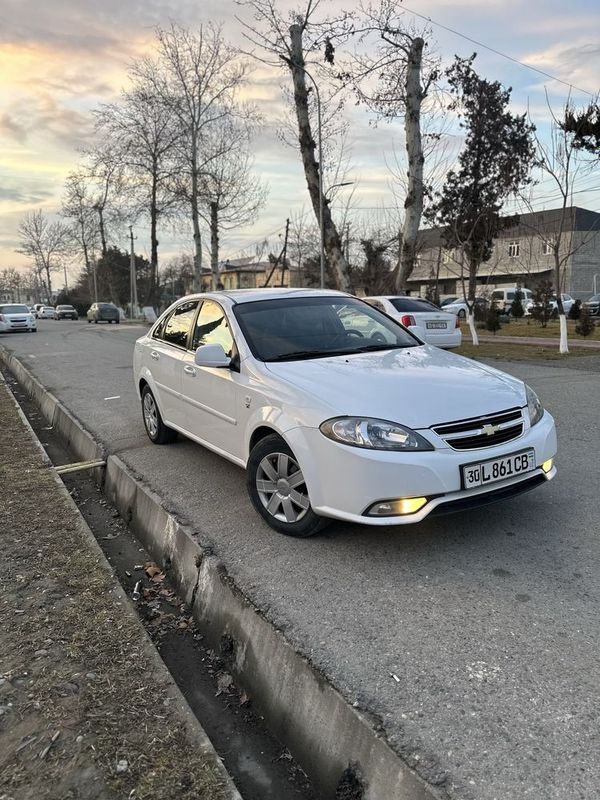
436, 325
497, 469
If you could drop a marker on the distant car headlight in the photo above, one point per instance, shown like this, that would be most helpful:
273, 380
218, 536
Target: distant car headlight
373, 434
534, 406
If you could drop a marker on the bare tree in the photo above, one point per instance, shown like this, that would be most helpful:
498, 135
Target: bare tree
47, 244
559, 160
404, 78
196, 75
143, 129
78, 206
102, 168
230, 193
289, 41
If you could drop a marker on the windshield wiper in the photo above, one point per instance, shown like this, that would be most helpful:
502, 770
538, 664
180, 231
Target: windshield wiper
300, 354
381, 346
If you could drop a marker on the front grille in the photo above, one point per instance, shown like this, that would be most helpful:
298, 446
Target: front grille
471, 434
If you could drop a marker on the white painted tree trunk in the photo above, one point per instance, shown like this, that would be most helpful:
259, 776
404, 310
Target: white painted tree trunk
473, 329
413, 204
564, 345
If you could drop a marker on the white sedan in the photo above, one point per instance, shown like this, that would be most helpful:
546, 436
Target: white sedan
436, 326
567, 302
380, 429
16, 317
47, 312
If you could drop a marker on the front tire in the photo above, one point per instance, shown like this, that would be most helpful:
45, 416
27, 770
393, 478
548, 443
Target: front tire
157, 431
462, 313
278, 491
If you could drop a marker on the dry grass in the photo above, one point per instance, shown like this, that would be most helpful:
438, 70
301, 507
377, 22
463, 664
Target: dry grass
74, 664
524, 327
506, 351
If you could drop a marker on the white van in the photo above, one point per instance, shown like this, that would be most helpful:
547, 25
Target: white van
503, 298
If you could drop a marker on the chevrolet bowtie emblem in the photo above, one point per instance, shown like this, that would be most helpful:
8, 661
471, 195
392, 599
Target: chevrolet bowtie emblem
490, 430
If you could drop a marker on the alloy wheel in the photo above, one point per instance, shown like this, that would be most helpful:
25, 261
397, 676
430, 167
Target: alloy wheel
150, 415
281, 487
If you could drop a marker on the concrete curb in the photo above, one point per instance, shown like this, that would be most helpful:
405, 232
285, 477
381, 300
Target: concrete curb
188, 717
325, 734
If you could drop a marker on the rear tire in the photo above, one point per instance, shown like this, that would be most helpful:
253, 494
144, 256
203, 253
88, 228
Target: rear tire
157, 431
95, 322
277, 489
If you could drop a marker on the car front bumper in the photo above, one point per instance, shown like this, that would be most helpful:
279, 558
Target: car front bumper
344, 482
10, 325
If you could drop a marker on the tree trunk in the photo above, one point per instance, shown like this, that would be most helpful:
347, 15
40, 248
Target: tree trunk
86, 258
151, 296
563, 346
49, 282
197, 282
331, 238
102, 231
473, 268
214, 244
413, 205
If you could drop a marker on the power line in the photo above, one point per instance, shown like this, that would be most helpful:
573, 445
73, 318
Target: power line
499, 52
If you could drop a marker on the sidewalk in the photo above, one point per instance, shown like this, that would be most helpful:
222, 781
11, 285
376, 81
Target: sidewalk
87, 708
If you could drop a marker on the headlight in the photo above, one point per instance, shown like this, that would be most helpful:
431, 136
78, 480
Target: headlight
534, 406
373, 434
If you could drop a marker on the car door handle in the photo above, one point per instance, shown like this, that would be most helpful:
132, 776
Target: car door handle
154, 355
189, 370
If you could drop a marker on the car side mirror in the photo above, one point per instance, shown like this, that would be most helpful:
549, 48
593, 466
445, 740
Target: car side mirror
418, 331
211, 355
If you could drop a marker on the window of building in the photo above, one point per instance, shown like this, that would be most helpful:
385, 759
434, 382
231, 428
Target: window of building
212, 328
548, 247
514, 249
176, 326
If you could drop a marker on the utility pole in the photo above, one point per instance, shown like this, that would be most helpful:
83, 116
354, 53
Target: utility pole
66, 282
132, 275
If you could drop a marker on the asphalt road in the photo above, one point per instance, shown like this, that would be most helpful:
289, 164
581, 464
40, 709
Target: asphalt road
489, 619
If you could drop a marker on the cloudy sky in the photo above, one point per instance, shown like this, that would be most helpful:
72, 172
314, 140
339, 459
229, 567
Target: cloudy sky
60, 58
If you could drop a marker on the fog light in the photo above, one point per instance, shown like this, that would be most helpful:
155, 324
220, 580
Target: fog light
547, 465
397, 508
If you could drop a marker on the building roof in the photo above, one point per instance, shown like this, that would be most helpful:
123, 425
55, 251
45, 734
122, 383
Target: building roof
536, 222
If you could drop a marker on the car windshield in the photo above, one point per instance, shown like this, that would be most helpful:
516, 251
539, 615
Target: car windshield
412, 304
15, 309
297, 328
594, 298
65, 308
106, 305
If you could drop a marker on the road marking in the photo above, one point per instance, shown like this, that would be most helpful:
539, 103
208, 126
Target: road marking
115, 397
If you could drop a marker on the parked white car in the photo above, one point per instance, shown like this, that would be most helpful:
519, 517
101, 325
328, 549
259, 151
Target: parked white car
16, 317
436, 326
331, 424
567, 301
46, 312
460, 307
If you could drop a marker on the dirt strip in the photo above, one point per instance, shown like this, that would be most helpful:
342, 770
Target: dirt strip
87, 708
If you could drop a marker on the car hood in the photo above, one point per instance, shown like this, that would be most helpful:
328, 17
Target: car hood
416, 386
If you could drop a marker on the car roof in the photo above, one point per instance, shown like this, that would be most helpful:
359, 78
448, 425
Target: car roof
237, 296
